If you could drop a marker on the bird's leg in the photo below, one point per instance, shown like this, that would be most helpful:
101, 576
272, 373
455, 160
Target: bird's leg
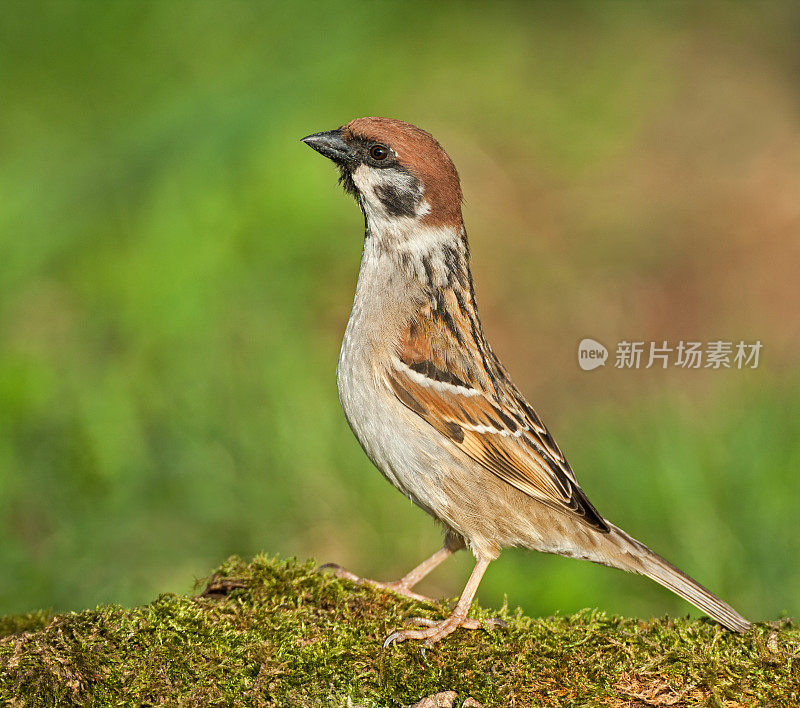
434, 631
408, 581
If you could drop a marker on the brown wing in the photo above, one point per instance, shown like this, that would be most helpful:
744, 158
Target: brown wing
466, 396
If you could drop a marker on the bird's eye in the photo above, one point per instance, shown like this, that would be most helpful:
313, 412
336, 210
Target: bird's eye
379, 152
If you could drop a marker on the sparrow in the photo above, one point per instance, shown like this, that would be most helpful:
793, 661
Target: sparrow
430, 403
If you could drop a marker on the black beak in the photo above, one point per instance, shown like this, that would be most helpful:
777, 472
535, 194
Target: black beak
331, 145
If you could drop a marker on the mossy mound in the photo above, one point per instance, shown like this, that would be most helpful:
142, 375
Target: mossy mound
274, 632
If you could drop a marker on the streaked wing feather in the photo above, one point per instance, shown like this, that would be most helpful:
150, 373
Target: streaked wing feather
516, 448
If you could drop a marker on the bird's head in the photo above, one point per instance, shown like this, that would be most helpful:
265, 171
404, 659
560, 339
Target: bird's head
398, 173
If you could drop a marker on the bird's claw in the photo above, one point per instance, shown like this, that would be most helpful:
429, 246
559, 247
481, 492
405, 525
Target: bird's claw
420, 621
488, 624
436, 630
395, 587
494, 623
391, 638
340, 572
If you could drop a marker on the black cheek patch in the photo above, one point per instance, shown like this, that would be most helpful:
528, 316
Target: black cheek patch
397, 202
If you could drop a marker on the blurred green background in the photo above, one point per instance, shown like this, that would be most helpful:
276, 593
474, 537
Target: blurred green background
176, 271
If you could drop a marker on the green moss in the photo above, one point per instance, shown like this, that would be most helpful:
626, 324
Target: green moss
274, 632
30, 622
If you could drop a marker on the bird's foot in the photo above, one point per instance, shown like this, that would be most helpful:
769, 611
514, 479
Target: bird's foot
397, 587
436, 630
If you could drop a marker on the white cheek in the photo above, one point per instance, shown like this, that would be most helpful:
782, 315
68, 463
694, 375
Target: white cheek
368, 178
369, 181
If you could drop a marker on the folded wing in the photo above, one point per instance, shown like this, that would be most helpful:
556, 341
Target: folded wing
488, 419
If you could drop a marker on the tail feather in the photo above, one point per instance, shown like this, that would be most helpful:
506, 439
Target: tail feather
664, 573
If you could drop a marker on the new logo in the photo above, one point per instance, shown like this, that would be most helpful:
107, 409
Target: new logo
591, 354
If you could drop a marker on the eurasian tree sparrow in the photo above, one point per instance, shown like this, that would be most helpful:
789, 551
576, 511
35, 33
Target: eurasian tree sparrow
429, 401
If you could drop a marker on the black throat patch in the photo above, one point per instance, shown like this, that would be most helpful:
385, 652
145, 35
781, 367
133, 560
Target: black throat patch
346, 180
